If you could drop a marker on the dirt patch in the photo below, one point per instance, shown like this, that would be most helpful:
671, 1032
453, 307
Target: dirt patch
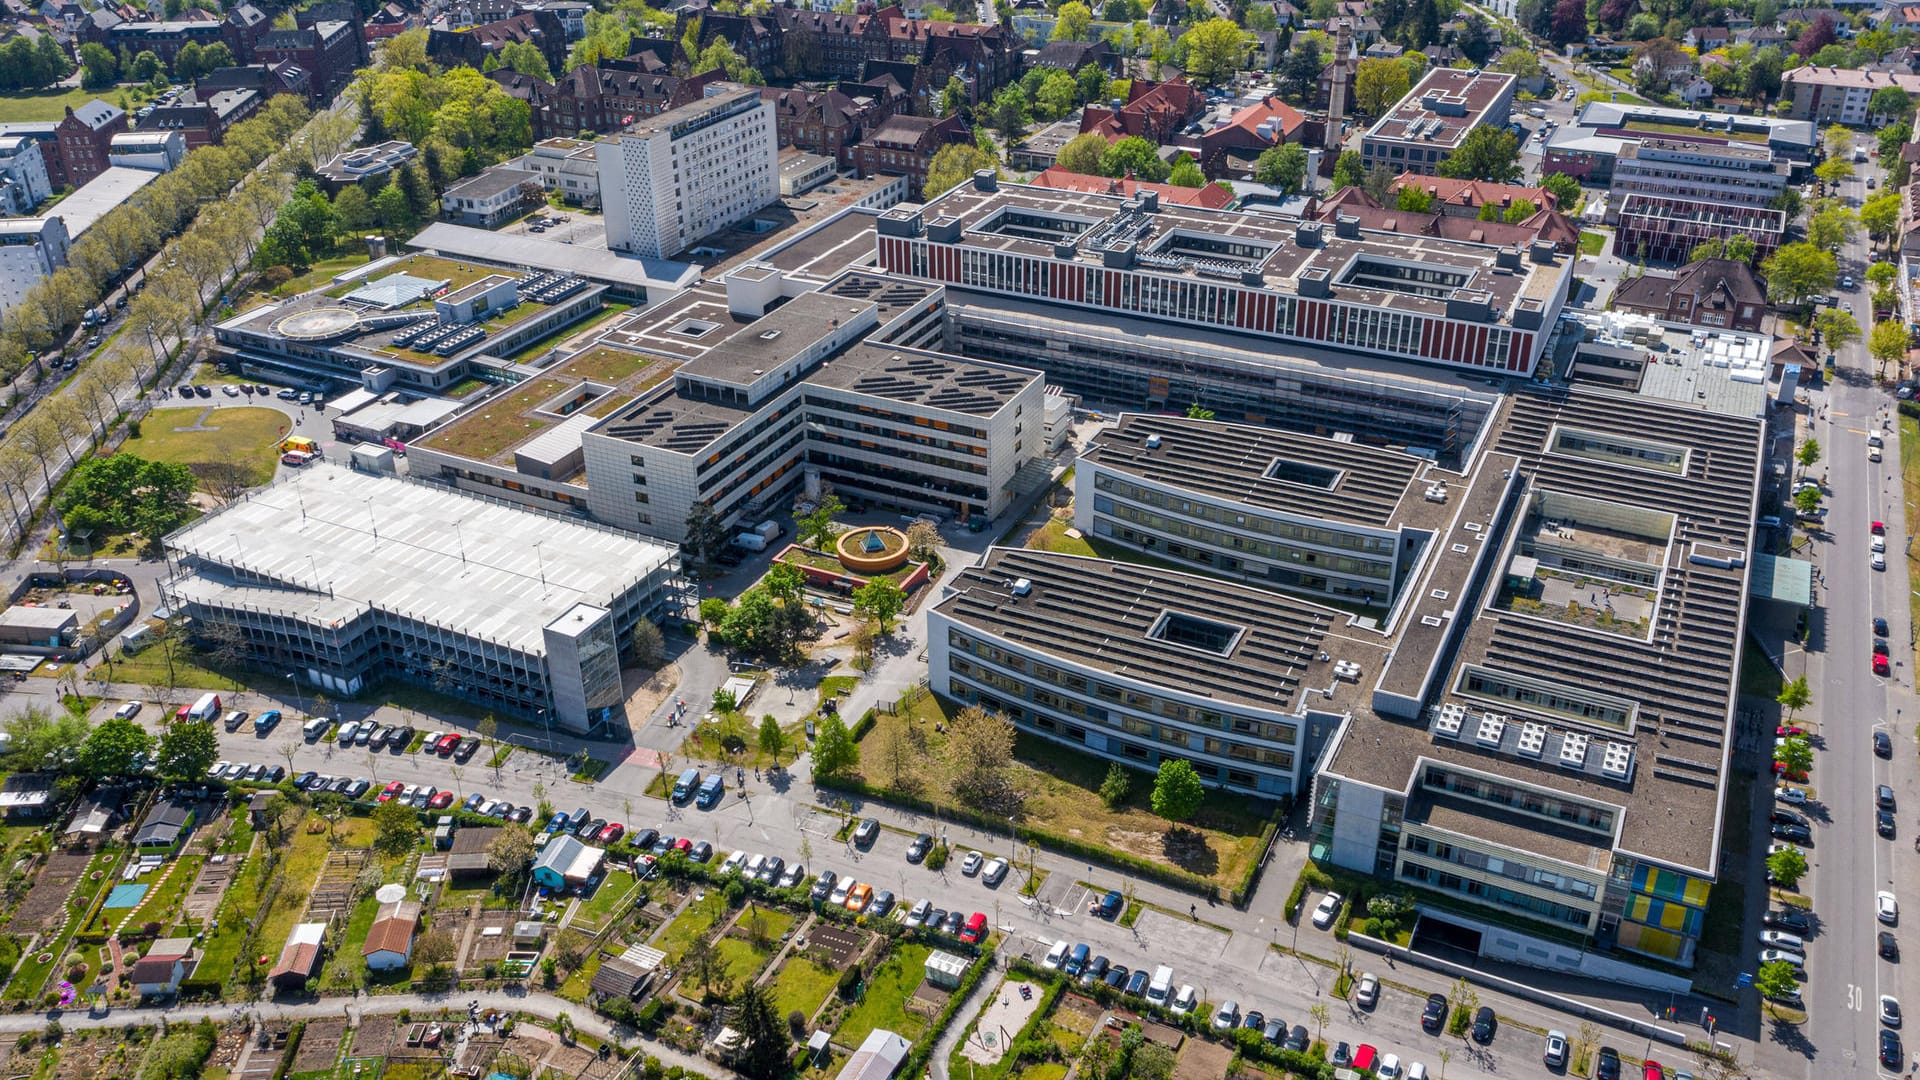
569, 1060
490, 947
454, 922
840, 944
226, 1049
102, 1058
1202, 1060
46, 904
203, 896
376, 1035
1077, 1014
320, 1045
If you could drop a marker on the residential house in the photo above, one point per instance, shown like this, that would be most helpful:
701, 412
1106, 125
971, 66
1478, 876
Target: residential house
905, 146
472, 47
1694, 90
299, 957
389, 21
245, 24
390, 938
159, 972
204, 117
1707, 38
166, 38
24, 183
264, 79
1718, 293
565, 861
832, 122
1071, 56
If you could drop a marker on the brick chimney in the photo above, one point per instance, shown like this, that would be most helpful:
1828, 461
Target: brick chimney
1337, 96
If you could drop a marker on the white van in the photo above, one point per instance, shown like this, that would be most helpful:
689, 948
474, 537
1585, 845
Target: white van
1056, 955
755, 864
206, 709
1161, 986
1185, 1000
314, 728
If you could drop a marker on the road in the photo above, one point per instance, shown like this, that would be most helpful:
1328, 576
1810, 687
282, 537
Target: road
1850, 862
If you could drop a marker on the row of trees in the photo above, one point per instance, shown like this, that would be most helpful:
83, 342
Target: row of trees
66, 745
101, 67
407, 96
30, 65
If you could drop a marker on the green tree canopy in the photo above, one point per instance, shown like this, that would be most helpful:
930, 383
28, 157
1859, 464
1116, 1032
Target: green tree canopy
1349, 170
1186, 173
1284, 166
1177, 791
1216, 49
132, 494
187, 749
116, 748
881, 600
1788, 865
396, 828
1082, 154
834, 751
1073, 22
1136, 157
1795, 272
1487, 153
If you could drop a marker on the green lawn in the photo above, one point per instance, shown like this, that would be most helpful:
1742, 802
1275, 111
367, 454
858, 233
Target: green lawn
1591, 243
693, 922
886, 995
243, 435
715, 741
346, 966
305, 855
609, 899
743, 960
801, 986
48, 104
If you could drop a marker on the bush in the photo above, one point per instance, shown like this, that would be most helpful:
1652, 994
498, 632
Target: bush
1457, 1023
937, 856
849, 982
797, 1024
650, 1016
275, 276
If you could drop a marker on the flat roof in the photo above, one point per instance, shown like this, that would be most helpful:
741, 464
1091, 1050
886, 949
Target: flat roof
1779, 130
525, 412
1267, 468
521, 251
494, 181
1235, 248
1675, 678
1446, 105
37, 618
1106, 615
842, 241
94, 199
361, 541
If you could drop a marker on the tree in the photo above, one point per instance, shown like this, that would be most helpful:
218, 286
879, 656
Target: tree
1216, 49
391, 209
1833, 170
1882, 274
1415, 200
435, 949
1569, 22
1487, 153
834, 751
1284, 166
766, 1040
1808, 453
1837, 329
115, 748
511, 853
1739, 248
1818, 35
1521, 210
954, 97
1073, 22
1116, 787
880, 599
1794, 753
1197, 411
1136, 157
1831, 228
1890, 102
1378, 85
526, 58
396, 829
1186, 173
772, 739
1787, 866
1887, 343
1300, 71
1806, 500
1082, 154
1795, 272
923, 540
1008, 113
1777, 979
954, 164
1177, 791
99, 68
187, 749
1348, 170
145, 66
649, 646
816, 526
705, 538
979, 749
134, 494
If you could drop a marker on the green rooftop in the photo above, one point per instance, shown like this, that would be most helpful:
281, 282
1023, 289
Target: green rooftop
494, 428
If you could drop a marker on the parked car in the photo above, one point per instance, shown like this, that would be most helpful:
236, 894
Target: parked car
919, 848
1326, 911
393, 791
859, 897
356, 788
1882, 744
700, 852
995, 872
918, 915
1485, 1024
883, 902
971, 865
441, 801
1227, 1016
1434, 1016
1792, 921
1555, 1054
464, 752
1608, 1066
823, 885
1366, 993
867, 832
1886, 908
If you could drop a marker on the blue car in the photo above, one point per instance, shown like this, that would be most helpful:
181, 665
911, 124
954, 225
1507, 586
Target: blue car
474, 803
1076, 960
265, 721
556, 823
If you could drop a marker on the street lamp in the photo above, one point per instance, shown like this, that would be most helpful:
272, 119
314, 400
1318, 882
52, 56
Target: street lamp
299, 701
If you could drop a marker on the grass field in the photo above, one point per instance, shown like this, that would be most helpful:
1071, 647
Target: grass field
1061, 790
609, 899
1592, 243
243, 435
306, 854
801, 986
885, 1002
48, 104
690, 925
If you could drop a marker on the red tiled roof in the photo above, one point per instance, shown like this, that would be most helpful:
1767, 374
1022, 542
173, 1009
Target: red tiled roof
1210, 196
1474, 193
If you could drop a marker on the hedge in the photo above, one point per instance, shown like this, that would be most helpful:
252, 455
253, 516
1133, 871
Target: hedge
864, 725
1062, 843
293, 1048
916, 1064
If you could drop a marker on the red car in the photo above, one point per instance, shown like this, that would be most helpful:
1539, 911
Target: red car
440, 801
1782, 771
1880, 665
1653, 1069
390, 792
683, 845
447, 745
612, 832
975, 929
1787, 731
1879, 528
1365, 1057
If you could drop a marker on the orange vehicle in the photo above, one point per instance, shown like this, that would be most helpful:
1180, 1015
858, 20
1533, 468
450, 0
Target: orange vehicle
859, 897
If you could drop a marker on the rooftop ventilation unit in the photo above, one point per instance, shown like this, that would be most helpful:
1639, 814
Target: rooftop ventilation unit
1153, 442
1023, 586
1492, 727
1573, 750
1347, 669
1452, 715
1533, 739
1437, 491
1617, 762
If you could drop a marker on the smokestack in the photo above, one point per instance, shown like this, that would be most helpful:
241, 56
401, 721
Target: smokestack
1337, 96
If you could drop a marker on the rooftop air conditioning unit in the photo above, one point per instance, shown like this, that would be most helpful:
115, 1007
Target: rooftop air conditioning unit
1153, 442
1022, 587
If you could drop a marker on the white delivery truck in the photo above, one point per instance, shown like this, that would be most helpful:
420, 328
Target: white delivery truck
207, 709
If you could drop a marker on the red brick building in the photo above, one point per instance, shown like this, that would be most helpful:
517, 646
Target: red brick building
905, 145
83, 137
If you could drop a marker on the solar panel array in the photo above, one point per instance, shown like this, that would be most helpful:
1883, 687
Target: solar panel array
550, 287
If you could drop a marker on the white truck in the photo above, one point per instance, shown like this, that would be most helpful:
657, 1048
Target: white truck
758, 537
